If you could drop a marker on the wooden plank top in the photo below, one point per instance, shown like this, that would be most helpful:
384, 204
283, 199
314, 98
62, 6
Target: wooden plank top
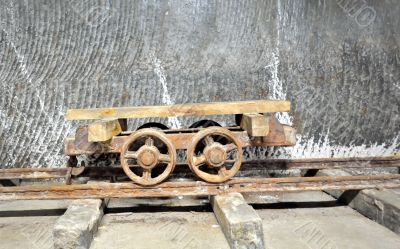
196, 109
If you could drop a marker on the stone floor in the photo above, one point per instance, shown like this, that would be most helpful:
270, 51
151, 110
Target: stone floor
330, 227
160, 230
310, 220
27, 232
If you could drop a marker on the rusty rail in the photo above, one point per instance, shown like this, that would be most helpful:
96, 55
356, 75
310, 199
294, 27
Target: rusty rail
270, 164
326, 163
196, 188
33, 173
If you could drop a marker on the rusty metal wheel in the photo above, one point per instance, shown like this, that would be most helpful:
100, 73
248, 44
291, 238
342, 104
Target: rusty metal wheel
215, 154
148, 157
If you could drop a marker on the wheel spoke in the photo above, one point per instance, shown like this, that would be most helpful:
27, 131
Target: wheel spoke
131, 155
146, 174
134, 166
164, 158
230, 147
209, 140
222, 171
198, 160
149, 141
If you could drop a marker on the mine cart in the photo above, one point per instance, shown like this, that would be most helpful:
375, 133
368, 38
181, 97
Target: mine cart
148, 155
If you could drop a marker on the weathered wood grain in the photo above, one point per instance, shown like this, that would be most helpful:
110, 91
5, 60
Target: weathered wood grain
103, 130
198, 109
255, 124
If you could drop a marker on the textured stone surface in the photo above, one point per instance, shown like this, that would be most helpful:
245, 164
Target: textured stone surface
382, 206
301, 227
166, 230
27, 232
240, 223
335, 227
340, 70
76, 228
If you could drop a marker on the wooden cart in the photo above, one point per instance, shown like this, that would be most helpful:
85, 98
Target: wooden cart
149, 154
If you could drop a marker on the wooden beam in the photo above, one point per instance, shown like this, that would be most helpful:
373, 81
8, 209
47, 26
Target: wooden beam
199, 109
255, 124
103, 130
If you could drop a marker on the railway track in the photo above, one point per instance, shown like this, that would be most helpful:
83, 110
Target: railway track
270, 164
198, 188
179, 187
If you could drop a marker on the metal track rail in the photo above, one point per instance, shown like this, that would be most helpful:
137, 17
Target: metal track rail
196, 188
270, 164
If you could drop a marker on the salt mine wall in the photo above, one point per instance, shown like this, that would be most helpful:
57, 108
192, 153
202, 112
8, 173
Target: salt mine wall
337, 61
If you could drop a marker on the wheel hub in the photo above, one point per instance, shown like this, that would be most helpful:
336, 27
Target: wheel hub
215, 155
148, 156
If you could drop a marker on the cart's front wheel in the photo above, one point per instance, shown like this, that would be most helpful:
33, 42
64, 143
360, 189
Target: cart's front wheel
148, 157
215, 154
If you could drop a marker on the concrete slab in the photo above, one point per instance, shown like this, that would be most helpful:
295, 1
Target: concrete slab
239, 221
165, 230
27, 232
316, 228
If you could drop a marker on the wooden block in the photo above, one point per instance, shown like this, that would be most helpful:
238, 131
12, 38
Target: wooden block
256, 125
290, 135
200, 109
103, 130
278, 135
79, 224
240, 223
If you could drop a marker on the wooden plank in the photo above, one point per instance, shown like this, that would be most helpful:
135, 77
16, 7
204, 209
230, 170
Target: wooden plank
196, 188
199, 109
103, 130
255, 124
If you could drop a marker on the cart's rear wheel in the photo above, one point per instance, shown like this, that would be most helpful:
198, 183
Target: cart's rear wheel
148, 157
215, 154
204, 124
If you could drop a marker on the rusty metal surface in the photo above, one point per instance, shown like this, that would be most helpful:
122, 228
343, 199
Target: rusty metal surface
325, 163
216, 154
180, 138
30, 173
220, 160
148, 157
272, 164
195, 188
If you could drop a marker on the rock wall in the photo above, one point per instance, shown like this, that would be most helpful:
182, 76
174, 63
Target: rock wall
337, 61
